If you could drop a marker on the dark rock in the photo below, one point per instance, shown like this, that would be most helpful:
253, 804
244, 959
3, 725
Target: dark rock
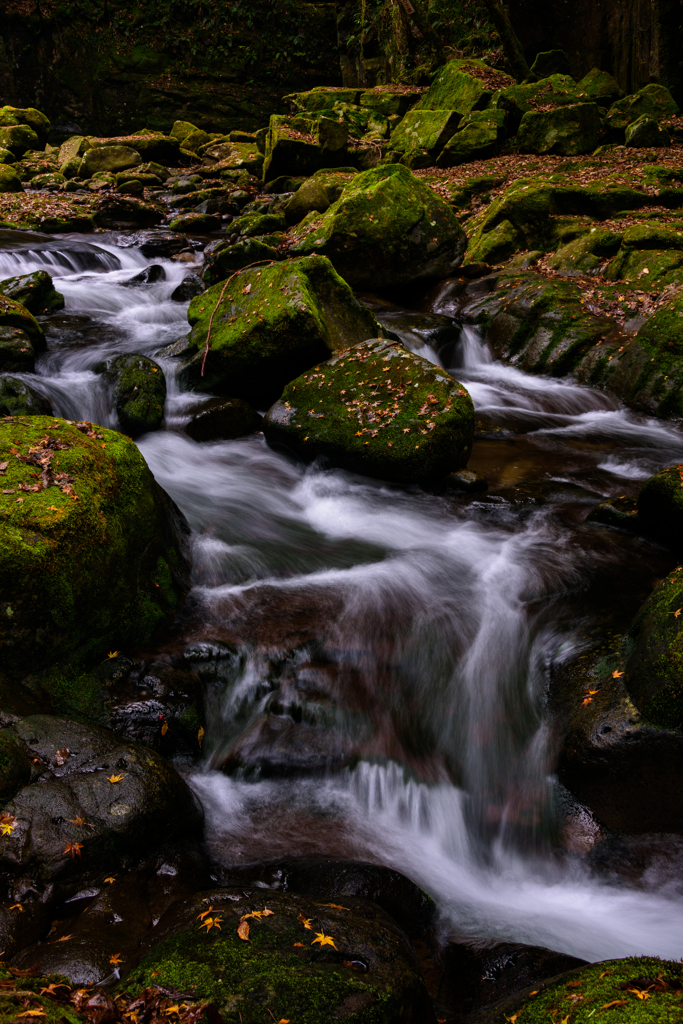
150, 275
187, 289
118, 212
34, 291
60, 131
138, 390
16, 351
370, 971
15, 766
234, 255
19, 399
551, 62
155, 242
660, 506
15, 314
654, 670
222, 419
146, 803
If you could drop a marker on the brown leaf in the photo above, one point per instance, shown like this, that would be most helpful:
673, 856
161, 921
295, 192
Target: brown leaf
62, 755
243, 931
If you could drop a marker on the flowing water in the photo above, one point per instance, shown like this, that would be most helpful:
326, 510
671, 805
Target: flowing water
396, 645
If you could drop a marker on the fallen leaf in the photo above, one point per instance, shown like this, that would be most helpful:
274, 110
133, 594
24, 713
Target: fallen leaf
305, 921
74, 849
299, 944
52, 988
639, 993
62, 755
514, 1017
267, 913
574, 984
246, 290
110, 879
81, 822
16, 906
677, 613
115, 778
586, 700
115, 959
243, 931
113, 654
617, 1002
324, 940
6, 827
204, 913
616, 674
212, 922
172, 1009
200, 736
65, 938
164, 729
604, 974
33, 1013
335, 906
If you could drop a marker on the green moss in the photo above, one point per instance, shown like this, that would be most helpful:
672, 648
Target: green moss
588, 991
457, 86
139, 391
568, 130
75, 694
54, 1011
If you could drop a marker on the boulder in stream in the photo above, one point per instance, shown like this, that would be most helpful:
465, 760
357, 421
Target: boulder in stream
35, 291
14, 314
387, 228
302, 958
222, 419
107, 560
377, 409
660, 506
138, 389
17, 354
17, 398
270, 323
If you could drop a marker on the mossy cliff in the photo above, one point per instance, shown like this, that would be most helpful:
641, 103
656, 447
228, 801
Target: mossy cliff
92, 551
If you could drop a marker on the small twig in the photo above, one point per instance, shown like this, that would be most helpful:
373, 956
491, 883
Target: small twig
220, 299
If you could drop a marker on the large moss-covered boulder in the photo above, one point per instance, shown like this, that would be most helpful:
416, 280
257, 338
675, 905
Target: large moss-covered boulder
463, 85
390, 100
34, 291
599, 87
306, 960
654, 671
228, 257
270, 324
17, 354
108, 158
645, 131
35, 119
322, 97
18, 138
15, 314
75, 803
387, 228
316, 194
380, 410
92, 551
654, 100
586, 254
10, 180
17, 398
424, 129
546, 94
301, 146
476, 139
567, 130
138, 388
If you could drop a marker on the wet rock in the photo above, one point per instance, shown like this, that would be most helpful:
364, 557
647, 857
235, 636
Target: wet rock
377, 409
387, 228
109, 558
20, 928
273, 322
316, 194
147, 802
660, 506
595, 986
621, 513
250, 225
8, 158
221, 420
275, 746
138, 390
654, 670
467, 481
150, 275
109, 158
292, 147
19, 399
156, 243
131, 188
187, 289
124, 212
51, 180
15, 766
568, 130
15, 314
15, 702
230, 256
34, 291
370, 969
17, 354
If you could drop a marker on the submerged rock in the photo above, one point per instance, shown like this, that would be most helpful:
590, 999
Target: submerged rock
269, 324
377, 409
222, 420
387, 228
107, 563
35, 291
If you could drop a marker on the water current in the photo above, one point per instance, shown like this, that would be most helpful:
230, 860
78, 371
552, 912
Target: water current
423, 625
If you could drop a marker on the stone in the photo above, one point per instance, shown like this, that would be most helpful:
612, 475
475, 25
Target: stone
6, 157
645, 132
158, 242
291, 147
476, 139
195, 140
230, 257
108, 563
551, 62
187, 289
654, 670
299, 979
34, 291
71, 168
586, 254
17, 354
424, 129
149, 803
74, 146
131, 187
316, 194
200, 223
9, 180
28, 116
19, 399
181, 130
387, 228
251, 225
654, 100
138, 389
150, 275
108, 158
463, 85
223, 419
568, 130
599, 87
660, 506
15, 314
263, 336
50, 180
322, 97
18, 138
415, 425
388, 101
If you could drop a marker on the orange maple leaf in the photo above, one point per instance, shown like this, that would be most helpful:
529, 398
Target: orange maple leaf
74, 849
324, 940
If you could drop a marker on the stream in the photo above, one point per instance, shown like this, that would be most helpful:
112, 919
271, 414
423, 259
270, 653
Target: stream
417, 630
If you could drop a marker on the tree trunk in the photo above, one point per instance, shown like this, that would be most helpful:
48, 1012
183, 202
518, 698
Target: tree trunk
511, 45
416, 13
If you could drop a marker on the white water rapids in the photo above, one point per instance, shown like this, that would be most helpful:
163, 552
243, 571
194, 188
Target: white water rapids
442, 606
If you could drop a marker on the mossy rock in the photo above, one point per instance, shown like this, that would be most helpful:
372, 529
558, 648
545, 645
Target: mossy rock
230, 257
155, 146
15, 314
387, 228
463, 85
108, 158
18, 138
618, 985
377, 409
76, 145
271, 324
138, 391
476, 140
585, 255
424, 129
654, 671
17, 354
320, 98
654, 100
599, 87
17, 398
660, 506
554, 91
181, 130
291, 148
201, 223
645, 269
93, 562
34, 291
9, 180
147, 804
646, 132
316, 194
6, 157
568, 130
250, 225
50, 180
282, 965
389, 102
35, 120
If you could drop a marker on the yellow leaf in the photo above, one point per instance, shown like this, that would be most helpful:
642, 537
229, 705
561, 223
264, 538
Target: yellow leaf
204, 913
172, 1009
604, 974
299, 944
212, 922
115, 778
16, 906
637, 992
677, 613
616, 674
65, 938
267, 913
74, 849
324, 940
110, 879
200, 736
52, 988
78, 821
617, 1002
305, 921
164, 729
115, 959
6, 828
514, 1016
243, 931
335, 906
33, 1013
113, 654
